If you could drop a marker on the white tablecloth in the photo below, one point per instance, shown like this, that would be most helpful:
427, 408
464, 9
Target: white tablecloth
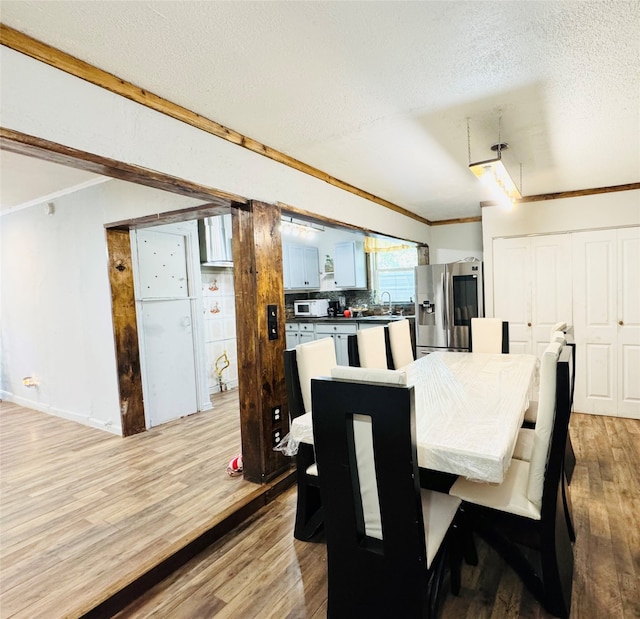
469, 407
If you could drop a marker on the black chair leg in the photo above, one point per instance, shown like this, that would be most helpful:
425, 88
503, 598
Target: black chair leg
566, 504
569, 459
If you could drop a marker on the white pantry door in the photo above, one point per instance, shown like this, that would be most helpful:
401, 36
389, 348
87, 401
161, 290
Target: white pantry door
607, 321
165, 304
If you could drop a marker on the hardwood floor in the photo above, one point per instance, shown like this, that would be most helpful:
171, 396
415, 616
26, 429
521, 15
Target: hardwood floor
259, 570
84, 513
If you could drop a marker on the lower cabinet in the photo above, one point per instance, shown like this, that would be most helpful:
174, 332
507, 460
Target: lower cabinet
340, 335
298, 333
292, 336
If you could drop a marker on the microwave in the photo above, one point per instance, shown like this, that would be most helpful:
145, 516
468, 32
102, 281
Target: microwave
311, 307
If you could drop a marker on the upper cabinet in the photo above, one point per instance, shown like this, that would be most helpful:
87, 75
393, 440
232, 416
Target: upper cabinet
301, 270
215, 240
350, 265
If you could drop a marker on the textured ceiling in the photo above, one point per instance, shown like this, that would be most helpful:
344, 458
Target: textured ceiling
377, 93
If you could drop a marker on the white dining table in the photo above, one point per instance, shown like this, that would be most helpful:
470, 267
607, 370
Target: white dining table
469, 407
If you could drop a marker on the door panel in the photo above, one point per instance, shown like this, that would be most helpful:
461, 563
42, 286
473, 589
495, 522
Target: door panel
512, 290
628, 318
171, 373
552, 287
594, 260
172, 383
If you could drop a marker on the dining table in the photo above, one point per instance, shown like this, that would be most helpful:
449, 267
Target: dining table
468, 407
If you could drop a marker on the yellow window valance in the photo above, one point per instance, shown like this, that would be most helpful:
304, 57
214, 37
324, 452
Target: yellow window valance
373, 245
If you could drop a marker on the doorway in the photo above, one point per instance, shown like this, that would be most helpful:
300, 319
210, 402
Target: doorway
169, 309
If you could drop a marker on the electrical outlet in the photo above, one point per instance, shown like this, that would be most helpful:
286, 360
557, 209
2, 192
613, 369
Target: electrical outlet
276, 414
276, 437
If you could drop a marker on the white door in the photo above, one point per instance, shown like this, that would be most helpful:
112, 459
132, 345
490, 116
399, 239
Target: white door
532, 288
607, 321
594, 259
628, 317
552, 290
512, 289
166, 300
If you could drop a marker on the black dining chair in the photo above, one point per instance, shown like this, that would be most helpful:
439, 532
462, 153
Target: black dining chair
386, 538
489, 335
317, 358
528, 507
524, 442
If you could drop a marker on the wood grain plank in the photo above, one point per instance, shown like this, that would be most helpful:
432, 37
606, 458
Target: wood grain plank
260, 570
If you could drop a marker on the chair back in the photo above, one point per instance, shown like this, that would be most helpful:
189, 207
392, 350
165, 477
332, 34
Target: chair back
292, 384
374, 527
372, 348
400, 343
490, 335
314, 358
544, 423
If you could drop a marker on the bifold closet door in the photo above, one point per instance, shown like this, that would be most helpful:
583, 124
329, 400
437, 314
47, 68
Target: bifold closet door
607, 321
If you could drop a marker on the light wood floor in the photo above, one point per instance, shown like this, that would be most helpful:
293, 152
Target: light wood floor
260, 571
83, 512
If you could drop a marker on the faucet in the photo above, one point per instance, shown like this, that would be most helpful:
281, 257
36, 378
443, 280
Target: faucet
389, 311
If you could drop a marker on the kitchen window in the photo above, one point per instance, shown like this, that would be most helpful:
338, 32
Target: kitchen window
393, 271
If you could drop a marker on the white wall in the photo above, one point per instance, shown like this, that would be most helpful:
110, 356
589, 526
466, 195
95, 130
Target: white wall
45, 102
607, 210
55, 308
455, 242
55, 301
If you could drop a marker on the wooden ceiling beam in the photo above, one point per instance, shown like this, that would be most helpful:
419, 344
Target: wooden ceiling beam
38, 50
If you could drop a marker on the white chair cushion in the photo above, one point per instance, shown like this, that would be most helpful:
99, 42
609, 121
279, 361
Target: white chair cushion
370, 375
509, 496
314, 359
524, 444
313, 470
371, 348
559, 336
486, 335
531, 414
365, 460
438, 511
400, 342
559, 326
544, 422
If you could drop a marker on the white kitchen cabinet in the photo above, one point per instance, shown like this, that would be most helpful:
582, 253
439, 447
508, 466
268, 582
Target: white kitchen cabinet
292, 336
350, 265
306, 332
301, 267
340, 334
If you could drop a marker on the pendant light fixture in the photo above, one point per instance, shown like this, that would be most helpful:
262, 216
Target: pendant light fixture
493, 173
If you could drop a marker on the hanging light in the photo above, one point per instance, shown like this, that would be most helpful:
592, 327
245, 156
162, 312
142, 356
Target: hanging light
493, 173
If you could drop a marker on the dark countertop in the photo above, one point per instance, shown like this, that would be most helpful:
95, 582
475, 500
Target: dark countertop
383, 319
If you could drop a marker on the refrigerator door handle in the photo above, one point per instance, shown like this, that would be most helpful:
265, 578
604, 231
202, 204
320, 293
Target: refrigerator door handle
444, 304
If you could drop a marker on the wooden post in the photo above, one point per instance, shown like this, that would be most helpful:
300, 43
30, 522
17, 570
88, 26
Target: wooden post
123, 308
257, 258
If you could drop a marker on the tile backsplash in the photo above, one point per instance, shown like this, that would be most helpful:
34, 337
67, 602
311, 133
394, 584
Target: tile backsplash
218, 300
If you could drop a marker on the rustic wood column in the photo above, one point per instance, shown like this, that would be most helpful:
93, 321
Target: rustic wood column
257, 259
123, 308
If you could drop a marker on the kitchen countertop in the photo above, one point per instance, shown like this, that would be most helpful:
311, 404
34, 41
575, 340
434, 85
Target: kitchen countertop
380, 318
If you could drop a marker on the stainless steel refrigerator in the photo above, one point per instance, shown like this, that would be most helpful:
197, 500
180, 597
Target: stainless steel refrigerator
448, 296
